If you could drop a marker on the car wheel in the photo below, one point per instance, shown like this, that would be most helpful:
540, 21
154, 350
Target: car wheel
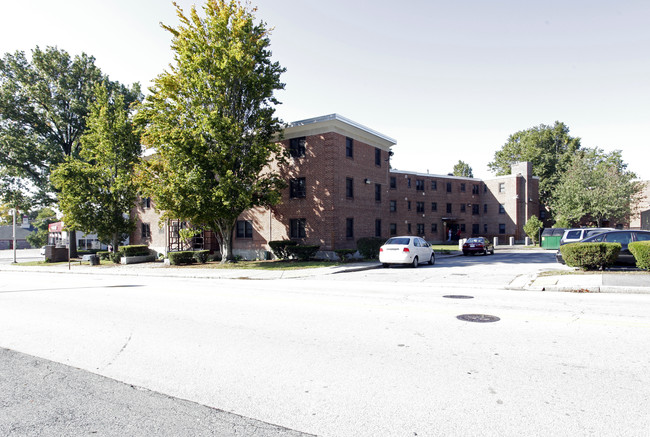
432, 260
415, 262
385, 265
485, 252
492, 252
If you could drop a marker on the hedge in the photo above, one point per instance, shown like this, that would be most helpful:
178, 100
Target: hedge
590, 256
201, 256
177, 258
134, 250
345, 253
103, 254
369, 247
303, 253
641, 252
279, 248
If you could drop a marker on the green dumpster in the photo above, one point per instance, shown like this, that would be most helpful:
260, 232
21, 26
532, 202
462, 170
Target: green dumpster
551, 238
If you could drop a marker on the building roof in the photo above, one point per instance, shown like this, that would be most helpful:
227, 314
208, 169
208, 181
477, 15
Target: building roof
6, 233
341, 125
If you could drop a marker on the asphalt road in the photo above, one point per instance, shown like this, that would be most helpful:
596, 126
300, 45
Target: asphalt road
373, 353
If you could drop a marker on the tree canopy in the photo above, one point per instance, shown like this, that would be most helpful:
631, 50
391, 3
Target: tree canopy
43, 218
463, 169
210, 120
548, 148
98, 189
596, 186
43, 108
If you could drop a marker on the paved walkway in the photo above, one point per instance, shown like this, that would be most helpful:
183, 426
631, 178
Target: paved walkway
594, 282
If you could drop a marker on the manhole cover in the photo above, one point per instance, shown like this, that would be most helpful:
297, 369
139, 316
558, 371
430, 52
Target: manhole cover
458, 296
478, 318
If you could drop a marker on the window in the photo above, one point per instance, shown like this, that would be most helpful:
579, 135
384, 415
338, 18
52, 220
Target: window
393, 205
642, 237
485, 208
475, 228
419, 184
408, 182
485, 228
408, 205
408, 228
420, 228
377, 192
377, 228
502, 187
349, 147
434, 206
449, 208
349, 228
485, 188
502, 208
393, 182
146, 202
297, 147
462, 188
502, 228
297, 228
462, 227
475, 210
449, 187
434, 228
393, 228
349, 188
297, 188
244, 229
145, 231
475, 189
434, 185
378, 157
419, 207
462, 207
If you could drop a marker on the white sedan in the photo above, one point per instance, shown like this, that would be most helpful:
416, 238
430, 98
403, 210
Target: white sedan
406, 250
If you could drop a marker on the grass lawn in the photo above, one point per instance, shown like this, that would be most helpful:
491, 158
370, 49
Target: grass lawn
262, 265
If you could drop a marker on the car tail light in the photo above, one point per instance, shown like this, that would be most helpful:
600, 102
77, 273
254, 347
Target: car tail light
406, 249
381, 249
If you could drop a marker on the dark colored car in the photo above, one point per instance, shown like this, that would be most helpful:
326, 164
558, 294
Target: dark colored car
622, 237
478, 245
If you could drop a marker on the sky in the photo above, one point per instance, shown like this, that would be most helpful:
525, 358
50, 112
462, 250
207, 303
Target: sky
447, 80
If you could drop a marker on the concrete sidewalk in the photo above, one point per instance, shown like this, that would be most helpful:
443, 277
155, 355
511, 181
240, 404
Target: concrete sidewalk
588, 282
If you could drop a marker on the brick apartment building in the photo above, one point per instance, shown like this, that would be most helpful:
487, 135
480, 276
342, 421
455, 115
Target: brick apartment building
341, 188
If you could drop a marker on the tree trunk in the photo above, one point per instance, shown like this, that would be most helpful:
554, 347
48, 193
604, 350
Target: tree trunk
226, 232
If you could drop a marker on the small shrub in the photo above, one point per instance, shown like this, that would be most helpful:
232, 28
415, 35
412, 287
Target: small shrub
115, 257
178, 258
215, 257
641, 252
103, 254
590, 256
303, 253
369, 247
201, 256
134, 250
344, 254
279, 248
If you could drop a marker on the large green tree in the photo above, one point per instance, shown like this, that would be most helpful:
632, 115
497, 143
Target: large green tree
43, 107
210, 120
463, 169
548, 148
596, 187
98, 189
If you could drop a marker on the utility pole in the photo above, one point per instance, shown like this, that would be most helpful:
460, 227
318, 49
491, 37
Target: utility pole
13, 212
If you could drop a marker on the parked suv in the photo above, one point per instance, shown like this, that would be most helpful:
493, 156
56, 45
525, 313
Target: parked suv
577, 234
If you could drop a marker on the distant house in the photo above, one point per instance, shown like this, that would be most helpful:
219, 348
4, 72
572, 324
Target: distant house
7, 239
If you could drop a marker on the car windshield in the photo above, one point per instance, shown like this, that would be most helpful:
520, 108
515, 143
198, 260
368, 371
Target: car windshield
475, 240
398, 240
